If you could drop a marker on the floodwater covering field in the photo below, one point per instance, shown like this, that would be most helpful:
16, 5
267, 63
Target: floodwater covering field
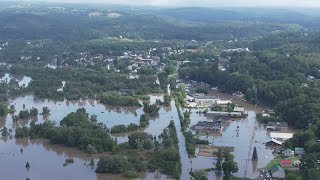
23, 81
47, 160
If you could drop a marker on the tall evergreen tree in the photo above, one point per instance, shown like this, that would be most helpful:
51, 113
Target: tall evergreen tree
254, 155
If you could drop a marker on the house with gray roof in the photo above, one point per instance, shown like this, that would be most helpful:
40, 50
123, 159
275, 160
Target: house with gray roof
277, 172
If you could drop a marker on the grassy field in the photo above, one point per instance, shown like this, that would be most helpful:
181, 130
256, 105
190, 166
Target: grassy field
296, 174
277, 161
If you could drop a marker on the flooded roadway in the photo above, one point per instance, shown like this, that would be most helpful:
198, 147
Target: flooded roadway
47, 160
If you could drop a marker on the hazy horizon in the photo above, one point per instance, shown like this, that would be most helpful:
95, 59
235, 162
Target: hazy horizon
196, 3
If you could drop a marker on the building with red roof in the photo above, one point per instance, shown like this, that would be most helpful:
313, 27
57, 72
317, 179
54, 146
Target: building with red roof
285, 163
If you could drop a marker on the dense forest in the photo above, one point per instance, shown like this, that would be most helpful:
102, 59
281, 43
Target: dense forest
283, 73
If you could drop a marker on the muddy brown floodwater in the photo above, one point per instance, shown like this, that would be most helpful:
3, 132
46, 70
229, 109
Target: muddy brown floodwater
251, 134
47, 160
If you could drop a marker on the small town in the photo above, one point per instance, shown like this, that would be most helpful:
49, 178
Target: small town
186, 90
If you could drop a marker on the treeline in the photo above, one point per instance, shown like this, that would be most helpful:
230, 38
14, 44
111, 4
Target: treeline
70, 26
123, 128
190, 143
163, 155
151, 110
75, 130
85, 83
117, 99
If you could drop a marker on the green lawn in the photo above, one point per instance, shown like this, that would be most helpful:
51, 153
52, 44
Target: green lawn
272, 163
277, 161
296, 174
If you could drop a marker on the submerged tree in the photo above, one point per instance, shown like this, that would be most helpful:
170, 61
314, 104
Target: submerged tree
219, 162
4, 131
27, 165
229, 166
45, 111
255, 155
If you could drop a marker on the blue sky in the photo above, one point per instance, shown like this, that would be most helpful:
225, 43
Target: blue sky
204, 3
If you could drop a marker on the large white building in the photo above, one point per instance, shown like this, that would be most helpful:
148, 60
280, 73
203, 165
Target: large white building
281, 136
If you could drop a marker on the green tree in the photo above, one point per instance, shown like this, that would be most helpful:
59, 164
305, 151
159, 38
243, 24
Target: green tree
255, 155
219, 161
24, 114
45, 111
229, 167
34, 112
4, 131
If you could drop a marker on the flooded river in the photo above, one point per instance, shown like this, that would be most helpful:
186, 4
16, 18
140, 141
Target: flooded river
47, 160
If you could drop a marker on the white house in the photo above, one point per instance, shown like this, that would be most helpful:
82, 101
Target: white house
238, 109
223, 102
281, 136
206, 99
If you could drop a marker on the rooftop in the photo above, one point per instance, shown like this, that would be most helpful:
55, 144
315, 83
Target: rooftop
279, 124
285, 162
281, 135
277, 168
206, 97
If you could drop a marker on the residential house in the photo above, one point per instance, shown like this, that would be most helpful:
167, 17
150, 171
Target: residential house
266, 115
205, 99
223, 102
288, 153
277, 126
223, 63
222, 113
208, 126
310, 78
299, 151
198, 95
238, 95
296, 163
220, 118
274, 143
277, 172
281, 136
286, 163
236, 50
239, 109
